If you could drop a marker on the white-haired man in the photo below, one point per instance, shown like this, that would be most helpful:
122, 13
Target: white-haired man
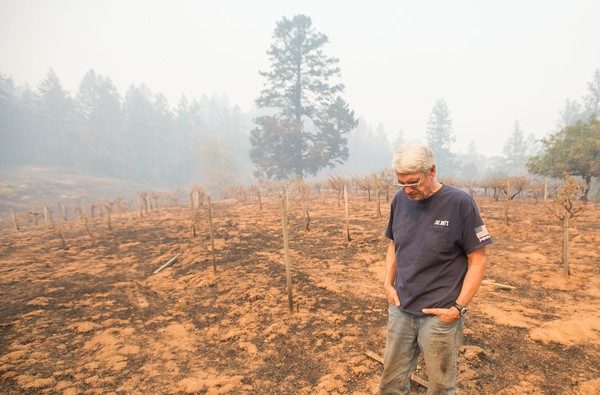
434, 265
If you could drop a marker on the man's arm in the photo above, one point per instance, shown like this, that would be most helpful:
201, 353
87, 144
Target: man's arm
473, 277
390, 275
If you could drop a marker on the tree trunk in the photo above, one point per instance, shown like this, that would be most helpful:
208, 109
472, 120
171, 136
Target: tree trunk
566, 244
212, 235
347, 213
286, 249
46, 218
586, 189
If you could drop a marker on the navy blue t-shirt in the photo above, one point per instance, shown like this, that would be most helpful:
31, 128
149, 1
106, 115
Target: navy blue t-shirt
433, 237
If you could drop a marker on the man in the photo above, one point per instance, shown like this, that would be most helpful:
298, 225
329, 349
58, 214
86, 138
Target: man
434, 266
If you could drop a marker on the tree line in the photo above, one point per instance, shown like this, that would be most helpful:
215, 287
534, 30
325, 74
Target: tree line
301, 128
138, 137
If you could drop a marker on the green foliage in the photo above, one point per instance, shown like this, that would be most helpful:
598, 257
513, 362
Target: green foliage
515, 149
570, 114
308, 121
100, 123
138, 137
592, 99
574, 150
440, 137
55, 114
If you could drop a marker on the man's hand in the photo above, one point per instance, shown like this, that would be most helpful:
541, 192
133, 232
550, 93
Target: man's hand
392, 295
447, 316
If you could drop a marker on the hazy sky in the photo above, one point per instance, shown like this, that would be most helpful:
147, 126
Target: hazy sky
493, 62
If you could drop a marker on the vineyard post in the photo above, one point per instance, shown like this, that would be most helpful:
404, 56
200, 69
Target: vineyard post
46, 219
141, 207
259, 199
193, 214
347, 212
61, 234
108, 209
288, 269
565, 250
63, 209
83, 209
287, 198
86, 223
14, 220
198, 202
212, 234
84, 217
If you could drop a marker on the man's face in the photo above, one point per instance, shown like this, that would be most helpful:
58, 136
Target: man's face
417, 186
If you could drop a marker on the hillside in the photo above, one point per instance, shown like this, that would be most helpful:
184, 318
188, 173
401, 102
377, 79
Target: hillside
29, 186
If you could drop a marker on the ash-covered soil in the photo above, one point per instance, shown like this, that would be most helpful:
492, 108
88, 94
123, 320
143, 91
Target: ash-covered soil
94, 318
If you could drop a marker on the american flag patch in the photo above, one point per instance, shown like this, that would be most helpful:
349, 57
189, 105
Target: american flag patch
482, 233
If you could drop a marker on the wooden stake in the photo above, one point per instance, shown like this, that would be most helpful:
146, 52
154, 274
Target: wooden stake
46, 219
212, 235
286, 249
141, 207
166, 265
83, 210
63, 208
307, 219
14, 219
565, 254
259, 200
108, 222
193, 206
61, 234
498, 285
347, 213
193, 214
198, 201
87, 225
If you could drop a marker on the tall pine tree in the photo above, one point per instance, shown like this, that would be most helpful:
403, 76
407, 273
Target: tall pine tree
440, 137
515, 151
308, 119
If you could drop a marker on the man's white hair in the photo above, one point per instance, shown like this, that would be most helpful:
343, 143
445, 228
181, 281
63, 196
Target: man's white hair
412, 157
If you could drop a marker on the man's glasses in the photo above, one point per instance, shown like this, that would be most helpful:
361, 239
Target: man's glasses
411, 185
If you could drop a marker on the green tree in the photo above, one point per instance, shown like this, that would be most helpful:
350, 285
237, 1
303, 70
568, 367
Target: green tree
440, 137
592, 99
399, 139
574, 150
9, 137
515, 149
570, 114
308, 119
54, 122
101, 124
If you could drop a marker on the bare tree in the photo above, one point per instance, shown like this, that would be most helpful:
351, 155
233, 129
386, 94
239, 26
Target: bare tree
565, 206
511, 187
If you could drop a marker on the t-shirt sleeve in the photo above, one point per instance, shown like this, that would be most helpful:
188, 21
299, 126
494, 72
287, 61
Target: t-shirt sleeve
474, 232
388, 231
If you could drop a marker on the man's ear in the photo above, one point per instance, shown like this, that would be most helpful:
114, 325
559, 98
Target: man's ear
433, 170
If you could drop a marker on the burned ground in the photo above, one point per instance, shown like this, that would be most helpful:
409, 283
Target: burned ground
93, 318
